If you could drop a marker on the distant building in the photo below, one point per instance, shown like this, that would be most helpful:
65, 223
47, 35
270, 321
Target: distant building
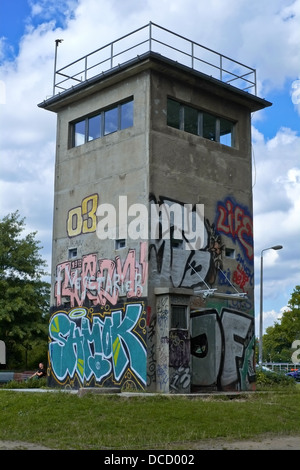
152, 269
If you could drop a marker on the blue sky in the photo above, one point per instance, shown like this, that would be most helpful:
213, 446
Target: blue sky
13, 15
263, 34
17, 15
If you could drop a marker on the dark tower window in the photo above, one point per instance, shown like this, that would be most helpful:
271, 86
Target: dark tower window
173, 115
179, 316
197, 122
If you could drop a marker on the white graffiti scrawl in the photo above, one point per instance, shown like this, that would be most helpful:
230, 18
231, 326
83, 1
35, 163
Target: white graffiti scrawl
222, 348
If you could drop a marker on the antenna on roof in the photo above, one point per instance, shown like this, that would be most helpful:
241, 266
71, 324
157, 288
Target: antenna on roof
57, 42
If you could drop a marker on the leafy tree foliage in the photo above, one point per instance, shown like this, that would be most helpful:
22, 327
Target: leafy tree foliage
24, 296
278, 340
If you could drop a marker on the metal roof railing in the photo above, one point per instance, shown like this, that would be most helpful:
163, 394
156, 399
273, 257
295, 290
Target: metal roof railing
154, 38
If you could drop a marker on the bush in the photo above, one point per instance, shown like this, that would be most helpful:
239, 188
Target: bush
30, 383
272, 379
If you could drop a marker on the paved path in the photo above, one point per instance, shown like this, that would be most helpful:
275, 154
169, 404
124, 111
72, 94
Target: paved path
268, 443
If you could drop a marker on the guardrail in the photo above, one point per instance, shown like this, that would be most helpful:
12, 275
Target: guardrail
154, 38
281, 366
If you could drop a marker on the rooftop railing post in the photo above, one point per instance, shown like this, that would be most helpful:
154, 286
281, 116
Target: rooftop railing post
150, 36
57, 42
85, 68
111, 54
192, 44
221, 68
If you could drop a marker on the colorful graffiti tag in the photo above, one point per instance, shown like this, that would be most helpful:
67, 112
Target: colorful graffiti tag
222, 349
101, 280
235, 221
193, 268
184, 268
82, 219
105, 348
100, 335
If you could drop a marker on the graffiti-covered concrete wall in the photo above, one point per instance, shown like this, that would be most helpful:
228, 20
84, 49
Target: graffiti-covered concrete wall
173, 351
220, 272
222, 349
134, 310
219, 336
97, 331
99, 281
99, 346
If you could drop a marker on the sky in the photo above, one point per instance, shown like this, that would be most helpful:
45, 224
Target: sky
263, 34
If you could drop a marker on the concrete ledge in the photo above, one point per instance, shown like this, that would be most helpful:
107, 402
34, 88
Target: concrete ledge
173, 290
101, 391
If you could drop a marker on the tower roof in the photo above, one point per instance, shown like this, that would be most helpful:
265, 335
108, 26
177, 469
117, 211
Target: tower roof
154, 47
154, 61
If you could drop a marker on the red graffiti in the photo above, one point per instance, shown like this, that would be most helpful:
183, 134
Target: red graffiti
239, 277
235, 222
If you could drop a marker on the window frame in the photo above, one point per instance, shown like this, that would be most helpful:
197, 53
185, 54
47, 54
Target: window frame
217, 136
101, 113
72, 253
120, 243
172, 319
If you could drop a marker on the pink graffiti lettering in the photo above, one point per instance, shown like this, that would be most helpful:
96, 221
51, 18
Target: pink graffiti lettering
101, 280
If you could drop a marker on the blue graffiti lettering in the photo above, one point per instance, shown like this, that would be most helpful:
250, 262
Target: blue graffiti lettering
97, 348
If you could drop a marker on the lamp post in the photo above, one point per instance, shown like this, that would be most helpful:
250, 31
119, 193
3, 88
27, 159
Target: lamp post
275, 247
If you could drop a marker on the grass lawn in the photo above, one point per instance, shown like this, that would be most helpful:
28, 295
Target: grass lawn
65, 421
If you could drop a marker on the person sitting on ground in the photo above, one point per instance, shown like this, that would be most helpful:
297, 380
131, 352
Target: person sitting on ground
41, 372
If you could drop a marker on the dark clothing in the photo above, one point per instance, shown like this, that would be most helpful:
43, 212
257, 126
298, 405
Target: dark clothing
40, 373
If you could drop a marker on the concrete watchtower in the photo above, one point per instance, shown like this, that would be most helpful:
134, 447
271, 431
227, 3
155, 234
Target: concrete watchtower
152, 268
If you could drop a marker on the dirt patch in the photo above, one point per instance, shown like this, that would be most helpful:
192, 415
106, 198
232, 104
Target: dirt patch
19, 445
266, 443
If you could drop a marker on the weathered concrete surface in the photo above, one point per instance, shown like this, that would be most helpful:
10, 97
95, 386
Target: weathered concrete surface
103, 390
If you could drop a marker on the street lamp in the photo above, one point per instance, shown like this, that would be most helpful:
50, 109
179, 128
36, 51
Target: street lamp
275, 247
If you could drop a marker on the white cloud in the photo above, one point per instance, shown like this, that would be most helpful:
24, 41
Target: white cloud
246, 31
276, 210
270, 317
274, 161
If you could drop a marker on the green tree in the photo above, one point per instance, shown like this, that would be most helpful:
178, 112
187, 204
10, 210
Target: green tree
278, 340
24, 295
